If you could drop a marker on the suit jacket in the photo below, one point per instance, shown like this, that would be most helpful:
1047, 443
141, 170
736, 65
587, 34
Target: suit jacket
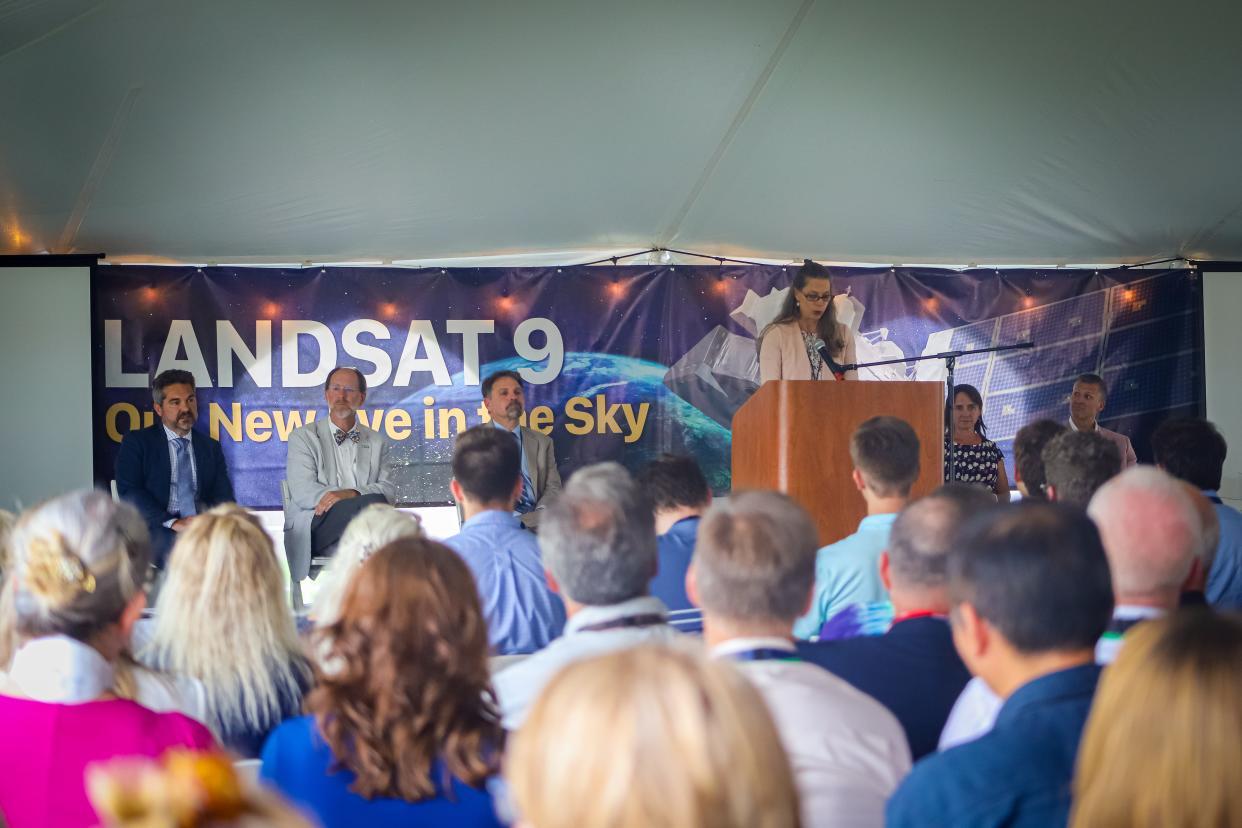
310, 471
1128, 457
541, 463
913, 670
782, 354
144, 473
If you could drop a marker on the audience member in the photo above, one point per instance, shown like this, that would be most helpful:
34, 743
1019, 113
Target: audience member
335, 468
403, 728
79, 563
541, 480
750, 574
1194, 592
599, 548
1161, 748
1086, 403
680, 742
885, 452
7, 519
1031, 594
913, 669
1193, 450
1028, 461
522, 614
377, 525
1076, 464
680, 494
222, 618
171, 471
1152, 535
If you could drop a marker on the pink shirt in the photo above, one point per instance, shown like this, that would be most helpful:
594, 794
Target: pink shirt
46, 747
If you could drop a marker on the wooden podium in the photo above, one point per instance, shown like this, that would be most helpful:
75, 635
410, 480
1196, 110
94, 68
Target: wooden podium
794, 436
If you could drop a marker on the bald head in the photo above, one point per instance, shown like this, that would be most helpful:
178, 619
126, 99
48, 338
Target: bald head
1151, 532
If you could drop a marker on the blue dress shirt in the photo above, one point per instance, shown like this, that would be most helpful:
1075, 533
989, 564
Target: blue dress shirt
1018, 775
676, 547
298, 763
522, 613
847, 572
1224, 583
526, 502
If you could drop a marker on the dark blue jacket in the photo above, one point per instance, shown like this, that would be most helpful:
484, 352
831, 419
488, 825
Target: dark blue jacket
144, 477
913, 670
1019, 775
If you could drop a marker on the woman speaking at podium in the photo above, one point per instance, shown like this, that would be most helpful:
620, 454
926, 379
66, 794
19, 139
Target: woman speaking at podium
805, 341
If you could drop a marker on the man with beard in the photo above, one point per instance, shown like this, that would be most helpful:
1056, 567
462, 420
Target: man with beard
505, 403
171, 471
335, 469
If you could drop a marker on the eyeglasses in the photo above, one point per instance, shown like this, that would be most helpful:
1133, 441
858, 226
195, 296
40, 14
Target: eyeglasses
816, 297
343, 389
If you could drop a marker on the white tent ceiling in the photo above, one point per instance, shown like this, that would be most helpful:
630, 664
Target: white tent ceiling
850, 130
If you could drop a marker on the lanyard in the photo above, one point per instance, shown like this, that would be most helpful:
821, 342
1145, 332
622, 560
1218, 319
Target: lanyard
765, 654
626, 621
910, 616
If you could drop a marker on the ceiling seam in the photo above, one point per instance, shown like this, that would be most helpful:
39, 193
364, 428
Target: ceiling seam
103, 159
666, 236
55, 30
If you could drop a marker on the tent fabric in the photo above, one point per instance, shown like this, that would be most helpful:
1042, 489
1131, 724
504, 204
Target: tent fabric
900, 132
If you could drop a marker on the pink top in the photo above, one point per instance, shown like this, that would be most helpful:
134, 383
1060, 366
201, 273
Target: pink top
46, 747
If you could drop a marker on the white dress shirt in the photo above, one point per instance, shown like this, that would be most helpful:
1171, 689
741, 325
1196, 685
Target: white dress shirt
175, 472
518, 686
346, 456
847, 751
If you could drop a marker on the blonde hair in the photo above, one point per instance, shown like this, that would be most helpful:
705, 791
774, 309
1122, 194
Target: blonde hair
221, 618
7, 519
685, 743
377, 525
1161, 747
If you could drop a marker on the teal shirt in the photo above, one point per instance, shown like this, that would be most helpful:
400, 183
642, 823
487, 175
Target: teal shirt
847, 572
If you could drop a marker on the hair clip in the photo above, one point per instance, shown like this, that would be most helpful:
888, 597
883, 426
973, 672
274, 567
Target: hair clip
54, 573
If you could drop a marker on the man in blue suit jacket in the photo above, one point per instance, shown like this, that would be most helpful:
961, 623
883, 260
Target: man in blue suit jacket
171, 471
913, 669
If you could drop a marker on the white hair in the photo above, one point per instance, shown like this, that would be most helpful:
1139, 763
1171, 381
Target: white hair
1151, 532
377, 525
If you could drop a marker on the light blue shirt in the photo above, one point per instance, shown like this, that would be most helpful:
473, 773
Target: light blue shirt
847, 572
526, 502
1224, 583
522, 613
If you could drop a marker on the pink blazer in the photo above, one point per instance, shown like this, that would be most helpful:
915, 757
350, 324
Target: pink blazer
782, 354
1128, 458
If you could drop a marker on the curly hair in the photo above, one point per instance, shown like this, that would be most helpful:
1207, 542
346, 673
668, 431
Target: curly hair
405, 679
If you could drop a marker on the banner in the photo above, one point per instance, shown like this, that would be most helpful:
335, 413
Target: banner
620, 362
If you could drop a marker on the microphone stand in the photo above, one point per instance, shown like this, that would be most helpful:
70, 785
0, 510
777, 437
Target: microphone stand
950, 363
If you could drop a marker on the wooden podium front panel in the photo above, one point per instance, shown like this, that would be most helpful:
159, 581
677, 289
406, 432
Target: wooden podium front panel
794, 436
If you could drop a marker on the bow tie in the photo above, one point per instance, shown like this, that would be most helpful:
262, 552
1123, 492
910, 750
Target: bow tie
341, 435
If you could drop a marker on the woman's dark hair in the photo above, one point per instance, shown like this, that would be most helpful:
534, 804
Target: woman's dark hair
975, 397
827, 328
406, 680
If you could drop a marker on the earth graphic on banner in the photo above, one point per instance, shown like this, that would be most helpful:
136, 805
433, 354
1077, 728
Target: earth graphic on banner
671, 425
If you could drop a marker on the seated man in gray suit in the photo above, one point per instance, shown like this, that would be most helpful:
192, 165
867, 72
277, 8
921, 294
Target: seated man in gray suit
541, 482
336, 468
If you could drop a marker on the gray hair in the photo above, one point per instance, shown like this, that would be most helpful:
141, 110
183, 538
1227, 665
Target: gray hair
924, 533
598, 538
78, 559
1150, 529
755, 557
373, 527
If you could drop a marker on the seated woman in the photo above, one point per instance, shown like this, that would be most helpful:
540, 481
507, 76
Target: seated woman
979, 462
403, 727
651, 736
377, 525
805, 341
1160, 749
222, 618
79, 562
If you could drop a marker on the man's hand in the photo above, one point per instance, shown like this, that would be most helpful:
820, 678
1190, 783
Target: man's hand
330, 499
181, 524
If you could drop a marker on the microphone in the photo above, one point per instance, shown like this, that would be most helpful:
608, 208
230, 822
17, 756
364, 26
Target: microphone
835, 367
